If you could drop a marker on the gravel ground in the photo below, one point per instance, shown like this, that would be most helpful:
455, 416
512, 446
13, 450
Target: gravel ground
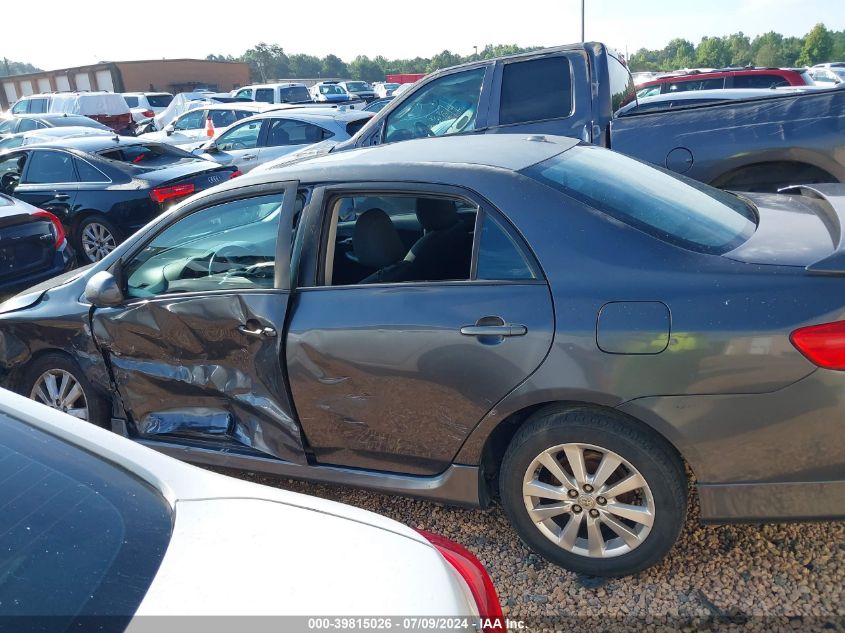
769, 577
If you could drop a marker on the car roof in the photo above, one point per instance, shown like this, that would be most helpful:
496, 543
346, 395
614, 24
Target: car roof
52, 115
94, 143
719, 94
718, 74
472, 151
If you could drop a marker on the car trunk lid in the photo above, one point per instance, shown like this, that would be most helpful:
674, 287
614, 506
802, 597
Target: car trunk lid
27, 244
802, 226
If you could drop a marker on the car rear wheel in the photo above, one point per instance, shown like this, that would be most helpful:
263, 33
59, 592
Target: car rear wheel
593, 493
58, 382
96, 238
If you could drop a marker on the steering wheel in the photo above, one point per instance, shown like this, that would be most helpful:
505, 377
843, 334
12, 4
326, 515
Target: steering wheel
9, 181
226, 255
422, 129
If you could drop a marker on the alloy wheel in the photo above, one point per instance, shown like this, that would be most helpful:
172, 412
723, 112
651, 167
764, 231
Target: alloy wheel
59, 389
588, 500
97, 241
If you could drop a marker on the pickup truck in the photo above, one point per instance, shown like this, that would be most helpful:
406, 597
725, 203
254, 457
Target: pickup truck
759, 144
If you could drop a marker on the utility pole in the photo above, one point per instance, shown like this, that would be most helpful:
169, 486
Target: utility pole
582, 21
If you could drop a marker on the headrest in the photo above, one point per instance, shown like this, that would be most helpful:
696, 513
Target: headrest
376, 241
436, 214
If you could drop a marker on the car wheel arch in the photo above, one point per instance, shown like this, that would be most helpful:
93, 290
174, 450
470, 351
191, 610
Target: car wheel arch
37, 354
499, 437
738, 175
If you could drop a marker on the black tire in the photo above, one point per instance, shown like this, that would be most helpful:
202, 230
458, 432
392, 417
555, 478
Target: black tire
656, 460
99, 409
91, 220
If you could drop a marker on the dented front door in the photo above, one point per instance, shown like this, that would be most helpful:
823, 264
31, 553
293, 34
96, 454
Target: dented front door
194, 349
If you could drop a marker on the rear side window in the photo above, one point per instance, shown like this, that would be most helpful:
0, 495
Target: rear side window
78, 536
264, 94
38, 106
670, 207
49, 167
500, 254
622, 89
294, 93
88, 173
695, 84
535, 90
759, 81
132, 102
290, 132
27, 125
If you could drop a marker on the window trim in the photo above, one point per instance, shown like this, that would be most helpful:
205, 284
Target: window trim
317, 216
224, 197
107, 181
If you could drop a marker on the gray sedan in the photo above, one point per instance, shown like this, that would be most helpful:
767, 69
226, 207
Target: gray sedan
265, 137
471, 316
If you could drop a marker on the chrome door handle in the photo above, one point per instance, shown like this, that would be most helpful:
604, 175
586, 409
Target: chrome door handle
249, 156
266, 332
508, 329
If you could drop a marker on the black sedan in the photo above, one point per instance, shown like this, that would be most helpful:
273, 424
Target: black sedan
104, 188
33, 246
462, 317
31, 122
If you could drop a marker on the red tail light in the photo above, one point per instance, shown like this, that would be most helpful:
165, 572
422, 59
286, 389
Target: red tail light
236, 173
161, 194
823, 345
149, 114
474, 574
58, 229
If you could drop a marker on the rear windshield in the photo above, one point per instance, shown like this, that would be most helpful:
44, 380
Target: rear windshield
76, 121
159, 101
670, 207
79, 536
294, 93
148, 155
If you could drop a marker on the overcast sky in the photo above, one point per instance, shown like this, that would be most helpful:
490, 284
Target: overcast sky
88, 31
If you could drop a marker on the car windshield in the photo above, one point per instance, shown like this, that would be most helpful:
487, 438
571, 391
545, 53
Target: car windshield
159, 101
670, 207
356, 86
152, 155
294, 93
331, 89
79, 536
391, 86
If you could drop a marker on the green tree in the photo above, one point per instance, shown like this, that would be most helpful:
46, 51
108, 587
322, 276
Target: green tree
444, 59
266, 62
365, 69
739, 46
8, 67
818, 46
838, 49
713, 52
305, 66
767, 49
333, 66
792, 47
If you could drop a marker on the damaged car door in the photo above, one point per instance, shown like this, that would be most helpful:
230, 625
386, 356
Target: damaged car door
194, 346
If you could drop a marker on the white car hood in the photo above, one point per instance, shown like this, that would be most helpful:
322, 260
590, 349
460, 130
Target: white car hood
253, 557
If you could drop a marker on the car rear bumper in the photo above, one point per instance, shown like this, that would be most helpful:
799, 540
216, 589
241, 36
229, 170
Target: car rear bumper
62, 262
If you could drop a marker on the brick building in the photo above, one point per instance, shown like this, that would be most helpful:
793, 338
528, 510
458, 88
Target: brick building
166, 75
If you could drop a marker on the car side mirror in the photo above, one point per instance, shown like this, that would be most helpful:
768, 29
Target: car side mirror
211, 147
103, 291
170, 129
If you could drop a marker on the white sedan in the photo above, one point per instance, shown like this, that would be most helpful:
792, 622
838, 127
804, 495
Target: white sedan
94, 523
202, 122
272, 135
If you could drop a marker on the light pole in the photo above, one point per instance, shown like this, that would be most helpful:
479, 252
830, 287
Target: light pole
476, 52
582, 21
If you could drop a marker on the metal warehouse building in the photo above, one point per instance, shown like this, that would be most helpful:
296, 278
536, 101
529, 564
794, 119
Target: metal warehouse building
167, 75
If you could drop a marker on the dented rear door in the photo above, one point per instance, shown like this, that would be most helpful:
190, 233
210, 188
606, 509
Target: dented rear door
194, 350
